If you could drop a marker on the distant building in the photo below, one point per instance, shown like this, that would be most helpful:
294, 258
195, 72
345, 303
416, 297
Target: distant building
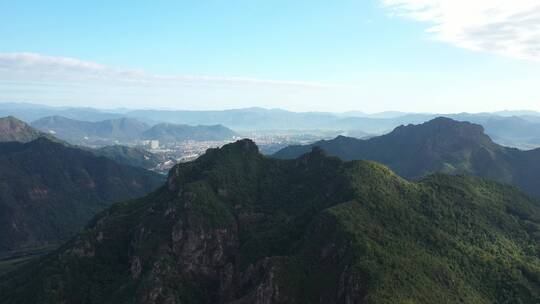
154, 144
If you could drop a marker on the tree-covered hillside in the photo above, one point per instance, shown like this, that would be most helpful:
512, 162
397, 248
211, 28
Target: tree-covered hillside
132, 156
440, 145
48, 191
237, 227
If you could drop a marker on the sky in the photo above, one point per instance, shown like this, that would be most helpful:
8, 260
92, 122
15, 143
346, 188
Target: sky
305, 55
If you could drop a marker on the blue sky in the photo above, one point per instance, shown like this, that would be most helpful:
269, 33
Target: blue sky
374, 55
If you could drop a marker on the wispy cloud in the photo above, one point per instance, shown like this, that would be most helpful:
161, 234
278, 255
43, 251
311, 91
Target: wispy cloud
507, 27
38, 68
30, 77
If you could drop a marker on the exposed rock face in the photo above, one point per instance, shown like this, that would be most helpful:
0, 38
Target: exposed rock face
234, 227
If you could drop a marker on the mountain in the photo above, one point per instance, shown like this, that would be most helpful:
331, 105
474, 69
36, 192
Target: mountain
127, 130
514, 131
276, 119
234, 226
519, 129
237, 119
131, 156
48, 191
12, 129
167, 132
440, 145
81, 132
31, 112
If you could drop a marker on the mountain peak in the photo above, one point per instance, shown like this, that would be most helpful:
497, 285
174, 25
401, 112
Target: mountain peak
444, 129
245, 144
239, 153
243, 147
11, 121
414, 151
447, 123
13, 129
443, 120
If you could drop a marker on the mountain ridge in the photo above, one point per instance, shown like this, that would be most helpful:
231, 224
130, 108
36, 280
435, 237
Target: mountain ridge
237, 227
440, 145
517, 128
132, 156
13, 129
127, 130
48, 190
76, 131
169, 132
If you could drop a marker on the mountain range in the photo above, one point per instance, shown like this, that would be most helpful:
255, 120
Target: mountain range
512, 128
440, 145
76, 131
48, 189
237, 227
127, 130
29, 112
13, 129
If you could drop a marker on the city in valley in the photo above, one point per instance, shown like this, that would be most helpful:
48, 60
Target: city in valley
268, 142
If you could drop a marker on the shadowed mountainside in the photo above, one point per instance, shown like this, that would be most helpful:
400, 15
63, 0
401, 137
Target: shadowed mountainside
236, 227
48, 191
440, 145
131, 156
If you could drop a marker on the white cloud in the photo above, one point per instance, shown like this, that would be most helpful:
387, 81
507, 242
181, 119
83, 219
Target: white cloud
507, 27
30, 77
31, 67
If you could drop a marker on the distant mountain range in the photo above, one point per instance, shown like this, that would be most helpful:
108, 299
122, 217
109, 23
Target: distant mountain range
173, 133
513, 128
440, 145
13, 129
31, 112
237, 227
522, 132
48, 190
127, 130
76, 131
